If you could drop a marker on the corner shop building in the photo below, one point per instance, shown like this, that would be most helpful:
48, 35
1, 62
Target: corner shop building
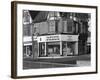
57, 37
59, 45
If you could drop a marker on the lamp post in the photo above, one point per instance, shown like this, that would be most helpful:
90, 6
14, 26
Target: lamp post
34, 43
33, 39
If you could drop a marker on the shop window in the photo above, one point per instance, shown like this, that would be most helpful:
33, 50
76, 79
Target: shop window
68, 48
53, 49
27, 50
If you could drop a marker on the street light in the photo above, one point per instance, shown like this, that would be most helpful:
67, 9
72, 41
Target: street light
32, 39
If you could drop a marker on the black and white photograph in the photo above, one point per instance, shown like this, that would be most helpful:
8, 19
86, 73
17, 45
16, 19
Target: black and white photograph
56, 39
53, 39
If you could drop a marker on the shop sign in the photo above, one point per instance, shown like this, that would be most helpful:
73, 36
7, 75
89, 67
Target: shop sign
72, 38
52, 38
69, 37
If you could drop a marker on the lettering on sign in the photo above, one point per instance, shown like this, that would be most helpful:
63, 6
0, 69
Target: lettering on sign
52, 38
70, 38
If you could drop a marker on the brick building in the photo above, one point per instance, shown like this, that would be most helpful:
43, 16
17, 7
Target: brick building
55, 34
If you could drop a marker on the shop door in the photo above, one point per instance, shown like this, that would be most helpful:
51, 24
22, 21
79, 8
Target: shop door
42, 50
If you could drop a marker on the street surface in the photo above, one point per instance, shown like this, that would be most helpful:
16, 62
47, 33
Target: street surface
70, 61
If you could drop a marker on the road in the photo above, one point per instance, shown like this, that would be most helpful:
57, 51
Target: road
71, 61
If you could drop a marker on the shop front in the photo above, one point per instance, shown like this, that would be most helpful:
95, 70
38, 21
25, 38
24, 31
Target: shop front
51, 46
57, 45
